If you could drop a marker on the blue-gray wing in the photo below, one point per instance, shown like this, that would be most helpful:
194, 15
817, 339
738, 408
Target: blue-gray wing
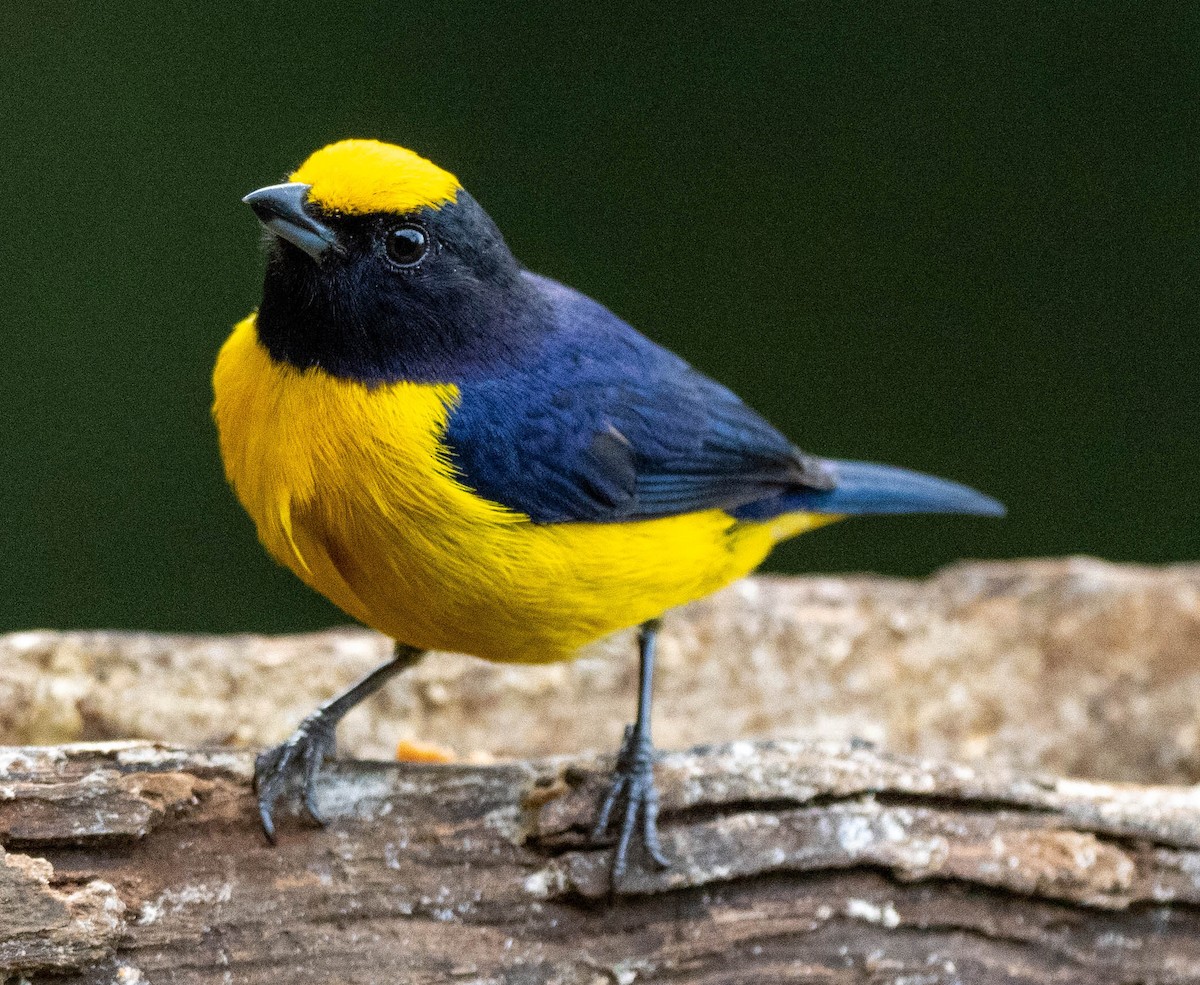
604, 425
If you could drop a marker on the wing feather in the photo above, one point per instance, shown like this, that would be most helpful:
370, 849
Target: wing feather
604, 425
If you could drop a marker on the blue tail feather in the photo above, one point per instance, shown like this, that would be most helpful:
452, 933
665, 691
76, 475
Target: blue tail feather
864, 488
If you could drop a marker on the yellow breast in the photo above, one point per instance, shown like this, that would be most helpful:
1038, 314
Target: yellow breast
352, 488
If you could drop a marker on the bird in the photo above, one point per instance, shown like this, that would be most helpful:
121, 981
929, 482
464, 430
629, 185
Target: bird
468, 456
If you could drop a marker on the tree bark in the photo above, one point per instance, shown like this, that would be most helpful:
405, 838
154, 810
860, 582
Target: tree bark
792, 862
1072, 666
813, 861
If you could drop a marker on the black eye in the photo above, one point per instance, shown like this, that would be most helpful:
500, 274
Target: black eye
406, 245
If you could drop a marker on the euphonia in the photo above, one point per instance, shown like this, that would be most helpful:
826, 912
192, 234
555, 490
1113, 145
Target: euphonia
468, 456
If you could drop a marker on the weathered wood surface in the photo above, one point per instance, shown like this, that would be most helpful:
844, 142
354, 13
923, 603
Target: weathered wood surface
795, 862
1072, 666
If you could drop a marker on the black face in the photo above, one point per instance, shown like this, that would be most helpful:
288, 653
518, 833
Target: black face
431, 296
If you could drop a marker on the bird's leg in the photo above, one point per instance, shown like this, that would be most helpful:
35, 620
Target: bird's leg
314, 740
633, 779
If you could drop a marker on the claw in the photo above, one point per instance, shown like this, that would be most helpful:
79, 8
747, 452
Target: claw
621, 858
303, 753
633, 782
315, 741
606, 809
650, 830
268, 823
314, 755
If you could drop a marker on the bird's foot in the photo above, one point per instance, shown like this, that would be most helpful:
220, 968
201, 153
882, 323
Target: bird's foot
632, 784
300, 756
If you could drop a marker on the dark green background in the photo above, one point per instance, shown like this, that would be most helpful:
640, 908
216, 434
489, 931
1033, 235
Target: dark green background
963, 240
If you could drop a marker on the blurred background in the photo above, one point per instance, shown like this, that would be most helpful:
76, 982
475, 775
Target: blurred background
961, 241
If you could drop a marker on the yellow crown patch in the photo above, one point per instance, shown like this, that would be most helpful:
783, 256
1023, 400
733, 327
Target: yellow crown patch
362, 176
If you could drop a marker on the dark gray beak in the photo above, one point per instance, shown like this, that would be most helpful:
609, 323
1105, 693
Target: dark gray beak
280, 208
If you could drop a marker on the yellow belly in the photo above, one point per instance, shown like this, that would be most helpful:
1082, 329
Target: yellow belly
350, 486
